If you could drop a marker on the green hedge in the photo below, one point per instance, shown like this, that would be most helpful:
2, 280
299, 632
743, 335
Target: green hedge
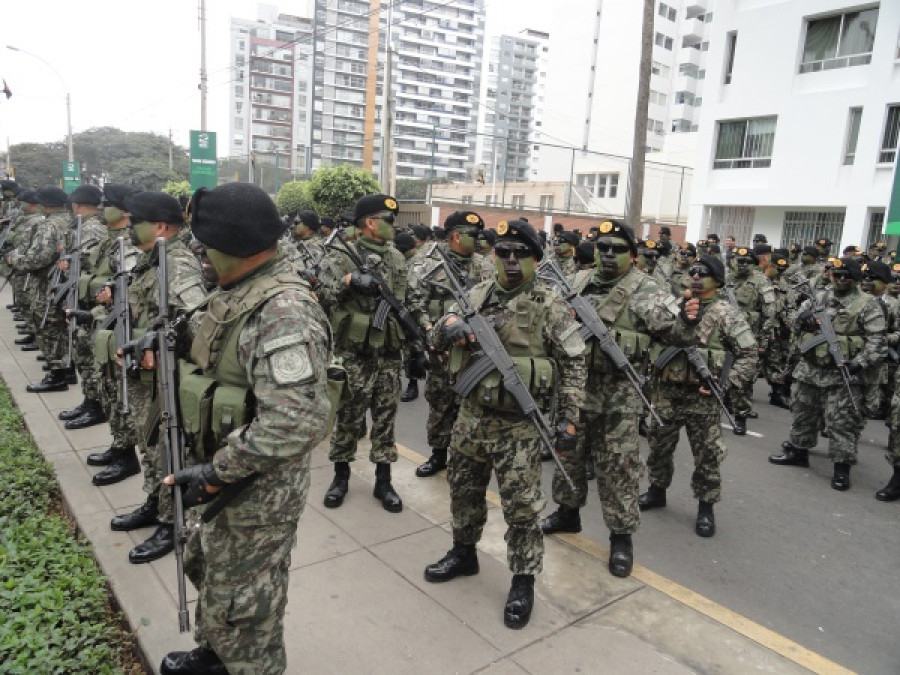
54, 605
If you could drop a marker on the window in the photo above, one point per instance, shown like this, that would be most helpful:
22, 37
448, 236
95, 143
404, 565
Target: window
654, 127
745, 144
889, 138
852, 135
667, 12
663, 41
465, 199
657, 97
518, 201
839, 41
807, 226
876, 228
546, 202
731, 45
660, 69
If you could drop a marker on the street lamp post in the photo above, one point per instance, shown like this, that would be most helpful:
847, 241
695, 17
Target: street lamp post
68, 98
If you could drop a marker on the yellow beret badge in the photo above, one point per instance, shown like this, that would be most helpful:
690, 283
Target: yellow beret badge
606, 227
472, 218
502, 227
391, 204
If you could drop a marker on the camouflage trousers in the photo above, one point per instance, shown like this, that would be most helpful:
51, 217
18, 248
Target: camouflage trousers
893, 451
144, 405
699, 415
443, 405
21, 298
374, 385
872, 382
121, 425
515, 459
775, 362
241, 575
52, 337
810, 403
83, 360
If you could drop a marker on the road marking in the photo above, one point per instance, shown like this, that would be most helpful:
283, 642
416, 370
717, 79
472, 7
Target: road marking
722, 615
755, 434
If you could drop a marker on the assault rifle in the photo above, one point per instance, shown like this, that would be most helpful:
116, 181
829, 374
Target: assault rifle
826, 335
490, 355
68, 289
592, 326
121, 317
695, 361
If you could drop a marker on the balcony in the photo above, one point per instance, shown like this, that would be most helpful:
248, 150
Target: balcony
685, 83
694, 7
692, 30
689, 55
682, 111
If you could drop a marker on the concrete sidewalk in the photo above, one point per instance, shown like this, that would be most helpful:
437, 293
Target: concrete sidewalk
358, 602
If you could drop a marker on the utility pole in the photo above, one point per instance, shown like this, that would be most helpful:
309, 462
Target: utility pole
202, 65
639, 149
431, 172
387, 121
171, 163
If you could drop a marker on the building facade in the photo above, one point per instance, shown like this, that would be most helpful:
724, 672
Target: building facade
800, 121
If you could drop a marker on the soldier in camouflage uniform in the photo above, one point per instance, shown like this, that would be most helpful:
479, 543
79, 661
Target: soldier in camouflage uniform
155, 215
860, 327
23, 228
120, 459
564, 252
679, 281
891, 491
306, 247
584, 255
680, 398
85, 201
428, 303
891, 299
485, 259
776, 360
264, 336
490, 433
370, 356
876, 278
636, 311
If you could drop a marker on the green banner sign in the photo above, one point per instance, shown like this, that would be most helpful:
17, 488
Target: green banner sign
204, 168
893, 216
71, 176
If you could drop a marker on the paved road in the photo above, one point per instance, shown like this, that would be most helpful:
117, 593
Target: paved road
791, 554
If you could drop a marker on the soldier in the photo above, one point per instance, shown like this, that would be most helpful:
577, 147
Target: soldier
760, 239
859, 327
310, 248
405, 242
891, 491
666, 264
681, 399
262, 333
876, 278
584, 255
877, 252
485, 259
648, 262
23, 228
490, 433
427, 304
891, 298
679, 281
776, 360
824, 244
665, 233
635, 309
564, 252
85, 200
370, 356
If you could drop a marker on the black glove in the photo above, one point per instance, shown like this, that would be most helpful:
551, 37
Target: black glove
363, 282
81, 317
565, 442
194, 480
684, 316
417, 366
854, 367
309, 276
807, 321
456, 331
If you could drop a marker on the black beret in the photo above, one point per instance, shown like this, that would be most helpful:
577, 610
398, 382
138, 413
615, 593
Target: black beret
372, 204
568, 238
650, 244
326, 222
780, 252
28, 196
154, 207
463, 219
310, 219
744, 252
558, 227
523, 232
878, 246
878, 270
811, 250
760, 239
238, 219
688, 247
665, 229
422, 232
8, 184
584, 252
439, 233
50, 195
490, 236
762, 249
114, 194
617, 228
851, 250
848, 264
824, 242
346, 218
664, 246
404, 242
714, 264
713, 237
86, 194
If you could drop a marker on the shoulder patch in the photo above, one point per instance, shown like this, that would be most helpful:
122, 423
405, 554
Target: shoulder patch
292, 365
281, 342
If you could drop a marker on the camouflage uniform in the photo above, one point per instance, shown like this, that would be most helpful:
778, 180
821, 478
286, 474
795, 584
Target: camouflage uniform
634, 308
775, 360
676, 397
277, 346
371, 358
20, 238
490, 432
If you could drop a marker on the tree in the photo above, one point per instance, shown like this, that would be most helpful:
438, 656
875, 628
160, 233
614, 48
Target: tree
294, 197
336, 189
180, 188
415, 189
147, 174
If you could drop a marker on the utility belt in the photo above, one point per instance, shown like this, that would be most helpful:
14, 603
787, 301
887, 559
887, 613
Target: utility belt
537, 372
353, 331
679, 372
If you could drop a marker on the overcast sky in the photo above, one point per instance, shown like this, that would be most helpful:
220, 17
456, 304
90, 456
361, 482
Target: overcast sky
135, 65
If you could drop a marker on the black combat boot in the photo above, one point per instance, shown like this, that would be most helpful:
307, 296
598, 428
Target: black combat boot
412, 391
753, 415
653, 498
621, 555
12, 307
546, 454
519, 602
71, 414
18, 317
564, 519
23, 329
198, 661
104, 458
461, 560
740, 425
437, 462
779, 397
124, 464
891, 491
146, 514
157, 545
28, 338
334, 497
71, 375
792, 456
841, 479
706, 520
91, 414
55, 380
30, 346
384, 491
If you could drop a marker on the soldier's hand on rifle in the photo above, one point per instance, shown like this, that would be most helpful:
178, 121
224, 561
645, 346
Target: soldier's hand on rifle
104, 297
81, 317
704, 391
566, 437
690, 307
199, 484
457, 331
63, 265
362, 282
807, 321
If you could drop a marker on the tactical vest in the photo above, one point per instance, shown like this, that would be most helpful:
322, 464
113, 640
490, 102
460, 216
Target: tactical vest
747, 295
709, 346
613, 310
522, 336
440, 300
850, 334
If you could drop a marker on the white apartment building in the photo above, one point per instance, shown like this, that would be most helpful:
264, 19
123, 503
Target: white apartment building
800, 121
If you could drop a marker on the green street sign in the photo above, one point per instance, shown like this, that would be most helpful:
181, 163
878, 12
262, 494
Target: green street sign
71, 176
204, 168
893, 217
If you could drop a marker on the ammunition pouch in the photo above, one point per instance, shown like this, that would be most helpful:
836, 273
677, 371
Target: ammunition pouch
633, 344
538, 373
